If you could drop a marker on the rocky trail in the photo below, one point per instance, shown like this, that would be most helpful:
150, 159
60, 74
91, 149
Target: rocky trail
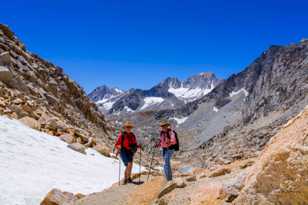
277, 176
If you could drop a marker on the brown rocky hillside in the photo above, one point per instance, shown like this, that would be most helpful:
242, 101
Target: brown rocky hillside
42, 96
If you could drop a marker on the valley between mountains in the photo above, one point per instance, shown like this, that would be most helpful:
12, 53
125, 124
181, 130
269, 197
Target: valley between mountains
244, 139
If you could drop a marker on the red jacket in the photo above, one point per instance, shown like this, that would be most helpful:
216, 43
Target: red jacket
129, 139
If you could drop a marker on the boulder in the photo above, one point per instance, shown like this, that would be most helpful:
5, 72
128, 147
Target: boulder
180, 183
247, 164
82, 135
280, 174
78, 147
5, 58
201, 176
191, 179
91, 142
220, 172
52, 123
103, 149
30, 122
68, 138
5, 74
57, 197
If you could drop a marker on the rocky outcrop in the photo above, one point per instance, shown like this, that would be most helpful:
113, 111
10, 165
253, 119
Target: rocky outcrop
42, 96
57, 197
281, 172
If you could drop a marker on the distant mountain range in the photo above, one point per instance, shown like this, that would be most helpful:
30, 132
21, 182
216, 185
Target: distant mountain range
170, 93
230, 118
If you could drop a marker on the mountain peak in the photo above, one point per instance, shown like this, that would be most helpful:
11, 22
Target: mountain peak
207, 75
103, 92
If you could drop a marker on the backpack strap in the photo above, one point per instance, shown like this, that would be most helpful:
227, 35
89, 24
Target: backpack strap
123, 138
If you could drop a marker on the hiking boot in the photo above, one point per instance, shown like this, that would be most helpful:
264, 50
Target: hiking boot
125, 181
130, 181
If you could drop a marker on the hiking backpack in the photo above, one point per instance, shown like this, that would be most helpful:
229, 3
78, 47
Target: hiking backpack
133, 147
175, 147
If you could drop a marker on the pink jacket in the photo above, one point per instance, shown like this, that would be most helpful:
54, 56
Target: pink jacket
165, 141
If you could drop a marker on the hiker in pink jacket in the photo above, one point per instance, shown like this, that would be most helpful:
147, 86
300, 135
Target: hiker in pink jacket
169, 143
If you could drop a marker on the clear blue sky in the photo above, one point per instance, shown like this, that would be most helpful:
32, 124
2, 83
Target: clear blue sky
138, 43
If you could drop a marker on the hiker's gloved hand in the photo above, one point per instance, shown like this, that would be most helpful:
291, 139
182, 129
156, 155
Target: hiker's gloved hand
113, 155
117, 153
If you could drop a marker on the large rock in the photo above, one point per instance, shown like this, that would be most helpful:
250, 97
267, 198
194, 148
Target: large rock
30, 122
280, 175
68, 138
57, 197
220, 172
78, 147
103, 149
5, 58
5, 74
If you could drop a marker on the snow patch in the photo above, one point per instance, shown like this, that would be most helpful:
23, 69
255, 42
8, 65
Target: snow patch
108, 105
118, 90
107, 102
180, 120
150, 101
33, 163
215, 109
233, 93
190, 94
127, 109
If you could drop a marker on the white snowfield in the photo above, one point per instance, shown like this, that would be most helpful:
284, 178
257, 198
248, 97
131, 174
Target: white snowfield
32, 163
150, 101
190, 94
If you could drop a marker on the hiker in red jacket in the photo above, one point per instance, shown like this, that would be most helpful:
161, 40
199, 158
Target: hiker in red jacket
127, 146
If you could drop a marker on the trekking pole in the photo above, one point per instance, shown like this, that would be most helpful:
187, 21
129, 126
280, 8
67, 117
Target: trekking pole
140, 166
119, 172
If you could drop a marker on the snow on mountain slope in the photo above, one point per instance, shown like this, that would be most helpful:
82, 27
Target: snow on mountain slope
190, 94
107, 102
150, 101
180, 120
32, 163
233, 93
105, 97
170, 93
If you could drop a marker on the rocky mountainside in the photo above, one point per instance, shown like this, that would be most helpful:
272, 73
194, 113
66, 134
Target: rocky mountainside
42, 96
241, 114
168, 94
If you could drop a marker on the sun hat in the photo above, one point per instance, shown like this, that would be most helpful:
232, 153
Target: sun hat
164, 123
129, 124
